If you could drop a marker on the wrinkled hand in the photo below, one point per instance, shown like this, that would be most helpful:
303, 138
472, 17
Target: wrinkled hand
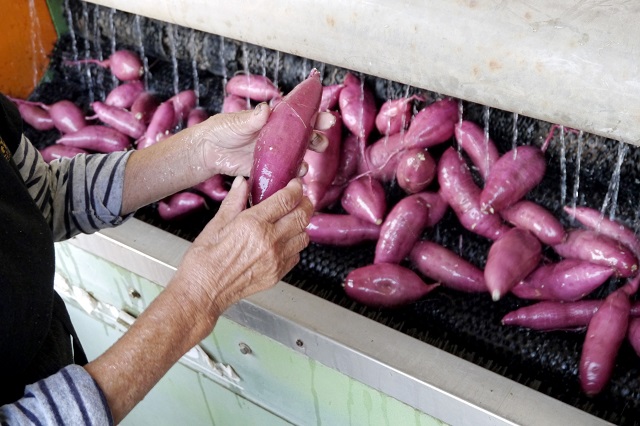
228, 139
242, 251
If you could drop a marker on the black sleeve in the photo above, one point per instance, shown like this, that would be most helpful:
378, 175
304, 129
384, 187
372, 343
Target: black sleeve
10, 123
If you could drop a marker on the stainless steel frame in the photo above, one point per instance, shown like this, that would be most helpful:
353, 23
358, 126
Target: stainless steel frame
435, 382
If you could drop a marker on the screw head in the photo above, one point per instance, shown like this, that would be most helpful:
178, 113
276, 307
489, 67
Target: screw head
244, 348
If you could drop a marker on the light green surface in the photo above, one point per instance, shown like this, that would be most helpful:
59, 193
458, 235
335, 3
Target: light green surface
277, 386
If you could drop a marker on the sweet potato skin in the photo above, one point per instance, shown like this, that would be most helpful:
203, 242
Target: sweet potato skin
598, 248
400, 230
535, 218
510, 259
483, 153
512, 177
385, 285
445, 266
97, 138
553, 315
566, 280
593, 219
605, 333
341, 229
284, 139
365, 198
323, 166
463, 195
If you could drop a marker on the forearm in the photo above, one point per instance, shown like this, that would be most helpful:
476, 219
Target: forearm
162, 169
222, 144
129, 369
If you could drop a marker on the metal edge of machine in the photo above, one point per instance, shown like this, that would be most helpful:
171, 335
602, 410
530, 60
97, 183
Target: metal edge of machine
433, 381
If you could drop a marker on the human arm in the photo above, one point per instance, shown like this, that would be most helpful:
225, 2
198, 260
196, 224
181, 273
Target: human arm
90, 192
224, 144
80, 194
264, 242
70, 396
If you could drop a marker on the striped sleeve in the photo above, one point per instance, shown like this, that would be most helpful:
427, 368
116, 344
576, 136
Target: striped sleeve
70, 396
78, 195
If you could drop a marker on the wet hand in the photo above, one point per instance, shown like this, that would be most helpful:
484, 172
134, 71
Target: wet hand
228, 140
242, 251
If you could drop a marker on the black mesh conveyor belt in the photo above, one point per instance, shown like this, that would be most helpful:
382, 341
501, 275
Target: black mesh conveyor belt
463, 324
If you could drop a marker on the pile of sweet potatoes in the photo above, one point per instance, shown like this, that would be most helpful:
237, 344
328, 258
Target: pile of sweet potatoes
441, 163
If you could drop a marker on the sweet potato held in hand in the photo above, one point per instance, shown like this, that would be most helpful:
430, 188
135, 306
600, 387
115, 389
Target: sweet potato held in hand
284, 139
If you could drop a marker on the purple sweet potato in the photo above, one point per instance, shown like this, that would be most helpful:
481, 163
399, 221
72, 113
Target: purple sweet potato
323, 166
341, 229
416, 169
67, 116
594, 220
511, 177
365, 198
349, 158
385, 285
437, 206
36, 116
566, 280
97, 138
510, 260
395, 114
535, 218
125, 94
633, 334
120, 119
598, 248
330, 96
124, 64
284, 139
183, 102
56, 151
443, 265
215, 187
255, 87
380, 159
463, 195
554, 315
197, 116
331, 197
358, 107
432, 125
160, 126
606, 331
180, 205
234, 103
144, 106
482, 152
400, 230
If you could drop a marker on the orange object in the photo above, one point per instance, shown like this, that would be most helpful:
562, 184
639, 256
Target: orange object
28, 37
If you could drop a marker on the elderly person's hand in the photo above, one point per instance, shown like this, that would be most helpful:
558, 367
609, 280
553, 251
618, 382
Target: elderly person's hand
227, 140
242, 251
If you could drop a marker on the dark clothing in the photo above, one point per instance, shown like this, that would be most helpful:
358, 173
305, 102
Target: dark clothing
35, 330
41, 203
